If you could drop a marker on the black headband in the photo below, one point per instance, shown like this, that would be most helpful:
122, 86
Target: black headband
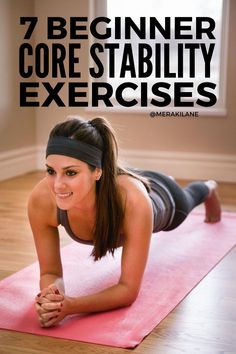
60, 145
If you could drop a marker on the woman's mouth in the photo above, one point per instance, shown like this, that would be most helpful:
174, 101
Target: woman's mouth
63, 195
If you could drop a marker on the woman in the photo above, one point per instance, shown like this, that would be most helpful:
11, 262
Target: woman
101, 203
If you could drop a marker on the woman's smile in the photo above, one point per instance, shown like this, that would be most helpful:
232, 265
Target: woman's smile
63, 195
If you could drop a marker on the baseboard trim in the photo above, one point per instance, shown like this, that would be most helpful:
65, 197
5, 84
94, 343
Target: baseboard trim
178, 164
184, 165
17, 162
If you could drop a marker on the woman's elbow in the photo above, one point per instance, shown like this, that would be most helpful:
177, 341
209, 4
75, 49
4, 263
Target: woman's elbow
131, 296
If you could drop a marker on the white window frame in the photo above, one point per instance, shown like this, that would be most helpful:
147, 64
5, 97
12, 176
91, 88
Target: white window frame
98, 8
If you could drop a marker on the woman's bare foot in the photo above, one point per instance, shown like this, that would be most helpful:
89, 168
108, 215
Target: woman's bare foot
212, 203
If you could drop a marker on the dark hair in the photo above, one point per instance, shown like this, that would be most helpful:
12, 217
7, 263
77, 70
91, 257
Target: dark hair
109, 217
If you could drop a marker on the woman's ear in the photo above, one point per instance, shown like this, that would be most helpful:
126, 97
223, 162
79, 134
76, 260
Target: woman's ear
98, 173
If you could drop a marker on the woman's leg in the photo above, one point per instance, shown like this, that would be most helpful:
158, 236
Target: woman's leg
194, 194
186, 199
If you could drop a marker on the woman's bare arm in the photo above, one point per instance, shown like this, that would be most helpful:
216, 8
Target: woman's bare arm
42, 217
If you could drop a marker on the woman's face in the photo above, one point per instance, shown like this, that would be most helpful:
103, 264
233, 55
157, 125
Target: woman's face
71, 181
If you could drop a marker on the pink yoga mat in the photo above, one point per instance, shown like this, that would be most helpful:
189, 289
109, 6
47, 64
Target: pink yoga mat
178, 261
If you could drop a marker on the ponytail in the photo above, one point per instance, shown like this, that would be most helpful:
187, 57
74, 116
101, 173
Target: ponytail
110, 211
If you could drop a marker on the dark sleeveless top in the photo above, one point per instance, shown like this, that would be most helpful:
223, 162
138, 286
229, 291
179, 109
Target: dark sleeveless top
162, 204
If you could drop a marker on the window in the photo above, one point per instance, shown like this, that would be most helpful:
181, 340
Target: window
161, 56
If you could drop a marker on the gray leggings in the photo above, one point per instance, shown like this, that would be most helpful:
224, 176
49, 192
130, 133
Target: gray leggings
185, 199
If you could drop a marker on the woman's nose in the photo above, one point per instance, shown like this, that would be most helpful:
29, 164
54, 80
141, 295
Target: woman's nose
59, 183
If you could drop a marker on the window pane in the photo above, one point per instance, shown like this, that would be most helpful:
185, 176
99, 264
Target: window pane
161, 9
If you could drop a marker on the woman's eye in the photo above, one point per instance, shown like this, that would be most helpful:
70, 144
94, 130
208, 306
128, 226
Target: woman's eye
50, 171
71, 173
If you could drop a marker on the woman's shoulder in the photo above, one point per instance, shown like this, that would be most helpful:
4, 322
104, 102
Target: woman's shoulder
42, 204
132, 189
136, 203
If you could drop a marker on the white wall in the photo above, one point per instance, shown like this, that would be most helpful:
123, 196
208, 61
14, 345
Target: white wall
194, 148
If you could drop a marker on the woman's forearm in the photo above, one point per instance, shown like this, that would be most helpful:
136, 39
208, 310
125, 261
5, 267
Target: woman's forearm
49, 279
108, 299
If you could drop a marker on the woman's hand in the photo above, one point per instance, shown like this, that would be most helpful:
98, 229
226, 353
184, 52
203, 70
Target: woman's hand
50, 306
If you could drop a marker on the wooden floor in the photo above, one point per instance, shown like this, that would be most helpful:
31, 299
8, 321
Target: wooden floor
205, 322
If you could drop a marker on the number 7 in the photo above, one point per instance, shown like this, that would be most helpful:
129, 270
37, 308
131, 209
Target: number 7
33, 21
